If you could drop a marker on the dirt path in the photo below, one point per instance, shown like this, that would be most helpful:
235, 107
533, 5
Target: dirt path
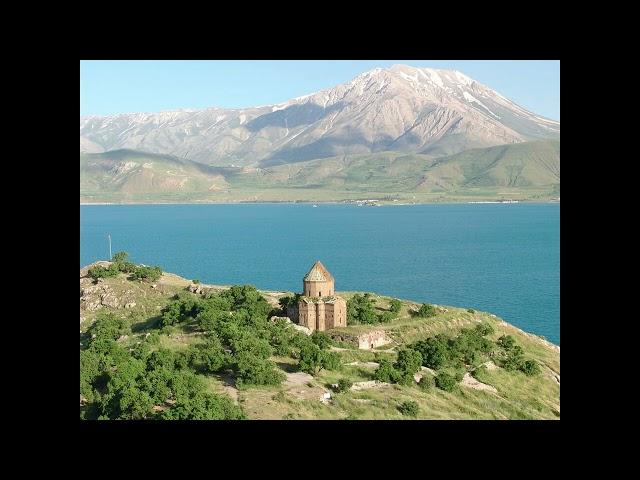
229, 387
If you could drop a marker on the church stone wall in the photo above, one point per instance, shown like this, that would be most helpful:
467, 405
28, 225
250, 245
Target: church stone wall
318, 289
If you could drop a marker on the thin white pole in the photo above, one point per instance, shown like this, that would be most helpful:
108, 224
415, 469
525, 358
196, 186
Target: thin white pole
110, 257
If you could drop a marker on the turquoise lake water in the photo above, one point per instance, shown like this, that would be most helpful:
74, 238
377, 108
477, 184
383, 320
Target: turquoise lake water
501, 258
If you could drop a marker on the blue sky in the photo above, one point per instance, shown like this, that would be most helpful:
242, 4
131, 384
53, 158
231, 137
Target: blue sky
112, 86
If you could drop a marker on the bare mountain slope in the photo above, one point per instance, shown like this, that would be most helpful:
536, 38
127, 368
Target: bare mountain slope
401, 108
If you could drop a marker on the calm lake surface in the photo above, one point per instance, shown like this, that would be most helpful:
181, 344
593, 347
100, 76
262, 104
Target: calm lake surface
501, 258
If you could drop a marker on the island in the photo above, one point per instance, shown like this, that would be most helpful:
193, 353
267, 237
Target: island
157, 346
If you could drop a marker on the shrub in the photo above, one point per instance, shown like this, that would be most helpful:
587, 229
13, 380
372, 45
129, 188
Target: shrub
484, 329
445, 382
146, 273
512, 362
409, 409
471, 310
321, 339
344, 384
103, 272
385, 317
195, 281
507, 342
395, 305
426, 382
426, 310
120, 257
530, 367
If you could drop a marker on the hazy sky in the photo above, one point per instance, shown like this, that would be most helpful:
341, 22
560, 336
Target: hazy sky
112, 86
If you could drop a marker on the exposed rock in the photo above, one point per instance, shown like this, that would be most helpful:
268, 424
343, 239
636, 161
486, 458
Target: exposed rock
122, 338
130, 305
366, 385
302, 328
490, 365
154, 285
198, 289
469, 381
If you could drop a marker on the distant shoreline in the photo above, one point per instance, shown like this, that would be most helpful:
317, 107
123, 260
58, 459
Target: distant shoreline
387, 204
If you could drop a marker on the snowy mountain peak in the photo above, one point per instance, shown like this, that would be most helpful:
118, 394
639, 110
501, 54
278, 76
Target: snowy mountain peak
401, 108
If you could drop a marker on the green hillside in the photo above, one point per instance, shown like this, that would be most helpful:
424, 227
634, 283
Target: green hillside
212, 352
525, 171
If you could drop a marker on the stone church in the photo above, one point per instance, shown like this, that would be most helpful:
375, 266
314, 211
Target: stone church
319, 307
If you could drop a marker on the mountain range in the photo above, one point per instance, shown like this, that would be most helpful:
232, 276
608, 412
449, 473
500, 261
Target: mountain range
396, 129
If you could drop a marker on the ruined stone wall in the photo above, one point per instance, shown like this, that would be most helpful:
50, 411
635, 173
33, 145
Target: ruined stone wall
372, 339
318, 289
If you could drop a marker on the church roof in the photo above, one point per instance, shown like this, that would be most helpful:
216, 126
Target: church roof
318, 273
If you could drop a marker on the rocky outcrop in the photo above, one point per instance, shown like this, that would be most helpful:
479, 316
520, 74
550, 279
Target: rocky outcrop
94, 297
469, 381
198, 289
297, 327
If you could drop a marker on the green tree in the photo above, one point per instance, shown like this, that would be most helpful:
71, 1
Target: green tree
204, 406
313, 359
434, 350
134, 404
251, 369
409, 361
108, 326
385, 317
360, 309
210, 356
385, 372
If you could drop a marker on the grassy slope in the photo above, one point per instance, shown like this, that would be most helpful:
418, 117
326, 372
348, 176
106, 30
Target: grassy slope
527, 171
518, 397
129, 176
